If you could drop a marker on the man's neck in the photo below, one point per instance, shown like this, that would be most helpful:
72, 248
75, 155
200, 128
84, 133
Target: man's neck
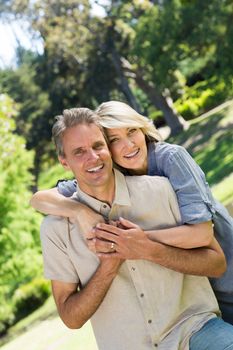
105, 193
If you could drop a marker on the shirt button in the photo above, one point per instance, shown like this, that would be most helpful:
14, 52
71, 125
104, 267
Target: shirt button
155, 345
149, 321
105, 206
133, 268
141, 295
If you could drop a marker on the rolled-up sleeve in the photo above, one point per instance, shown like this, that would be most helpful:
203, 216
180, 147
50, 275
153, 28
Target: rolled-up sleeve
57, 264
189, 184
66, 187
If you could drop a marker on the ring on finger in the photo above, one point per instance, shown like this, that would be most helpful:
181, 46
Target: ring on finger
112, 246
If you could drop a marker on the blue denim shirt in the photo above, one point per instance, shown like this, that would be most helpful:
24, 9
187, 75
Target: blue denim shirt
195, 202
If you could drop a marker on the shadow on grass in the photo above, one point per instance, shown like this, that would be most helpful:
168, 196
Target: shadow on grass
210, 142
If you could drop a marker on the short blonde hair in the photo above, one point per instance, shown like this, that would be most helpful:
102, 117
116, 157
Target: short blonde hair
116, 114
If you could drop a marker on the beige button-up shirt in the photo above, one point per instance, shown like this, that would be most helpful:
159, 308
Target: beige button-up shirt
147, 306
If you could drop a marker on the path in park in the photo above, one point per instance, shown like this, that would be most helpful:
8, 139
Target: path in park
52, 334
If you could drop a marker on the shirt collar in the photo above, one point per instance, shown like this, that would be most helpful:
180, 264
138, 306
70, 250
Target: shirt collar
121, 193
121, 190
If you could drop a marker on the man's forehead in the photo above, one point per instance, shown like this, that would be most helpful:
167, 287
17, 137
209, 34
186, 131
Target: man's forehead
83, 134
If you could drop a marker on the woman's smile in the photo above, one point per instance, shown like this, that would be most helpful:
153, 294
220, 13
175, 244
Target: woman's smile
128, 148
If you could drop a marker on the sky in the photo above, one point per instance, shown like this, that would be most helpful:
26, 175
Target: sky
8, 42
9, 33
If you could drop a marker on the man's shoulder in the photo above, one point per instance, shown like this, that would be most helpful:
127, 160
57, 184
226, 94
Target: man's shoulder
51, 224
54, 220
146, 181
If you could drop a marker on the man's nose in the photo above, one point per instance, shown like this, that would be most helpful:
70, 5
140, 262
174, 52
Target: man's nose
93, 154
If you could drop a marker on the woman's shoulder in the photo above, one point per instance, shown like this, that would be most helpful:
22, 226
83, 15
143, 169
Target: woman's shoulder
164, 151
168, 149
165, 157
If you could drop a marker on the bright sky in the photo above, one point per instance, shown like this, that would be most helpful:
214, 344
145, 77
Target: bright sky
9, 33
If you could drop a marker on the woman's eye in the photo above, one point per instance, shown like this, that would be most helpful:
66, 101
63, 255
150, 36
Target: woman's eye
113, 140
131, 131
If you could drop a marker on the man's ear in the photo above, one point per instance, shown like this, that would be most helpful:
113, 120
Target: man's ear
63, 162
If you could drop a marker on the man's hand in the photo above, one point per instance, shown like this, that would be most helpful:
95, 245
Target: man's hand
124, 241
87, 221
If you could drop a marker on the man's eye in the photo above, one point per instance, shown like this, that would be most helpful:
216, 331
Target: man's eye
78, 152
99, 146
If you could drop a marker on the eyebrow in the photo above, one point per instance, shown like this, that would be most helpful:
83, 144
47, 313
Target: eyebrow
77, 149
130, 127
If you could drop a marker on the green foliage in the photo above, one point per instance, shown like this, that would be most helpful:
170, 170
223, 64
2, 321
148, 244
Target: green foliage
201, 97
30, 296
50, 175
20, 257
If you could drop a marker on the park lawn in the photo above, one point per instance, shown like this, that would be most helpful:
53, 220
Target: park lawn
43, 330
209, 140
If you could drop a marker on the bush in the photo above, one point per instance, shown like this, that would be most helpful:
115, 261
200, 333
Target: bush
6, 317
30, 296
202, 97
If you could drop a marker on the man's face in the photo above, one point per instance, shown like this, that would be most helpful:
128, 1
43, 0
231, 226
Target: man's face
88, 157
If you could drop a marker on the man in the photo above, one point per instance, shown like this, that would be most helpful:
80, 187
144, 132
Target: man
133, 304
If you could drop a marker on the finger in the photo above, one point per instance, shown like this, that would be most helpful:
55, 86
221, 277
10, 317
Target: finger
90, 235
113, 223
91, 245
109, 228
127, 223
105, 246
107, 236
108, 255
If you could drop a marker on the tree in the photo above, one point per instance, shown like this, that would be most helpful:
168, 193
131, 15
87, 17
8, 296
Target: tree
20, 257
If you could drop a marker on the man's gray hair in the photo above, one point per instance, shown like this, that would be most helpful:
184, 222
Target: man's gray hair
70, 118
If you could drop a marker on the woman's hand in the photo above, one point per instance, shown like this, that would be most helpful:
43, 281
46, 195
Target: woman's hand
126, 240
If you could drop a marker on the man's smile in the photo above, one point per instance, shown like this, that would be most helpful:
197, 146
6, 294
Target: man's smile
95, 169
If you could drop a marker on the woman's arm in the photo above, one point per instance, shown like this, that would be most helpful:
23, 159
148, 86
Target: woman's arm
133, 243
185, 236
188, 181
53, 203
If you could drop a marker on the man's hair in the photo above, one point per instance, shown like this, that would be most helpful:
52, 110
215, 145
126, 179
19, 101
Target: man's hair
70, 118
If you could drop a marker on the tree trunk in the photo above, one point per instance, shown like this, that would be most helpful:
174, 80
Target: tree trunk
162, 102
123, 81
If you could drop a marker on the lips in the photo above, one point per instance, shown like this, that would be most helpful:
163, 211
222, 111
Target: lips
95, 169
132, 154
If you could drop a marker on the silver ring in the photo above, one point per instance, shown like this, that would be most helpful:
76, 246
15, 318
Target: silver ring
112, 246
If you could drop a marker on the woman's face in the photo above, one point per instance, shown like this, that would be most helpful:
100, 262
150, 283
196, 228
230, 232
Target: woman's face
128, 148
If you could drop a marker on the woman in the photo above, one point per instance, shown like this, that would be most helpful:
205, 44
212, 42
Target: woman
136, 149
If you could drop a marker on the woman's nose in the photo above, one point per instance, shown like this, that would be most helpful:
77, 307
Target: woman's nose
129, 142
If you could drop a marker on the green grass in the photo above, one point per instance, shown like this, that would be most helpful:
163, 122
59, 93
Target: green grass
224, 190
209, 140
44, 330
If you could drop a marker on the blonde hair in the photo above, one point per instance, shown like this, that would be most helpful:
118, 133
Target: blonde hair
116, 114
